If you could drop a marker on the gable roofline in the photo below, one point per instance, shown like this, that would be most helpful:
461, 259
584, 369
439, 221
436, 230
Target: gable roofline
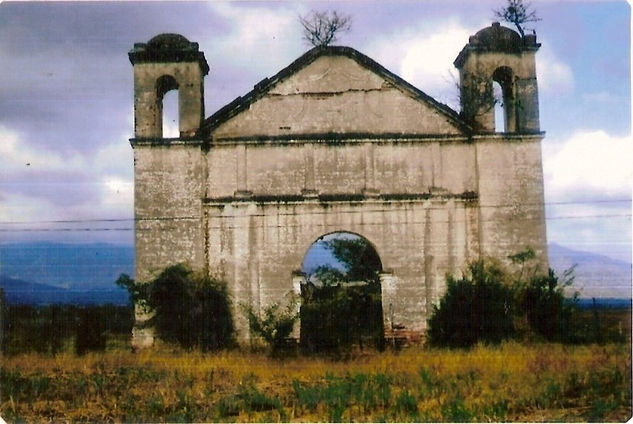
261, 88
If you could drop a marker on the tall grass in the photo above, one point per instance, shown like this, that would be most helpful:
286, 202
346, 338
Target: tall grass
511, 382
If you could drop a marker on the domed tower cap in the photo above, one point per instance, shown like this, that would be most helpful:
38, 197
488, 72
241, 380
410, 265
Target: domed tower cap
165, 48
497, 38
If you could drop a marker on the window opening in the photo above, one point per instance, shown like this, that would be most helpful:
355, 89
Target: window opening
171, 124
167, 105
504, 96
500, 118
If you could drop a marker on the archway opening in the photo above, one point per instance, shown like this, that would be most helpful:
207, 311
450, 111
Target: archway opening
341, 304
167, 97
504, 94
170, 115
500, 118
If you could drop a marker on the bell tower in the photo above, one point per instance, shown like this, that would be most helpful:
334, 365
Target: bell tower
167, 62
499, 54
168, 172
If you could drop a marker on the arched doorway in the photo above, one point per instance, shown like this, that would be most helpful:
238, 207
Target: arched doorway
341, 304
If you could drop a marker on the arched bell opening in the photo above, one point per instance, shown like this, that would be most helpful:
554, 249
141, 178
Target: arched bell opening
167, 94
499, 112
505, 111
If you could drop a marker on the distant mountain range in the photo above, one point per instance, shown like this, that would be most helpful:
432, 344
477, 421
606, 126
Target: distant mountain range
71, 266
39, 273
24, 292
594, 275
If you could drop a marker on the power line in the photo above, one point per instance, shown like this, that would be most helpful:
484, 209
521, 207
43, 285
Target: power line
454, 221
182, 218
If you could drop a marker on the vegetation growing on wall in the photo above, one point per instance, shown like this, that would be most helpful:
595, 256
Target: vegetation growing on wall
189, 308
517, 13
323, 28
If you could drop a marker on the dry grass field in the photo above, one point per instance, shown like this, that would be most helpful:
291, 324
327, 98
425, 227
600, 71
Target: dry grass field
510, 382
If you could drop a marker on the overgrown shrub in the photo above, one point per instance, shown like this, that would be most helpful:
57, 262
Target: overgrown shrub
488, 304
190, 308
475, 308
35, 328
274, 325
334, 317
546, 310
540, 298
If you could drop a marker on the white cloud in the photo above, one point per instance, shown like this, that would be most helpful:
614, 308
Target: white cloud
18, 207
17, 156
601, 97
590, 174
588, 162
423, 55
554, 76
34, 182
118, 194
114, 159
259, 37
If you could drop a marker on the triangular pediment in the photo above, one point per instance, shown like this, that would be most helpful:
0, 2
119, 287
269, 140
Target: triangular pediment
333, 90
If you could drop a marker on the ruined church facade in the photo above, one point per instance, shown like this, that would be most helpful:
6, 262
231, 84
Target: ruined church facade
335, 142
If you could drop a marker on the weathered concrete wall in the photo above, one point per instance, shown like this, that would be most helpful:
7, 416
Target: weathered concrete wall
511, 196
287, 168
168, 192
465, 199
335, 94
256, 246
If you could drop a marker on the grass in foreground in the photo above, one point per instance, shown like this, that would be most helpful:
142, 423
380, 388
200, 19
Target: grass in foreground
512, 382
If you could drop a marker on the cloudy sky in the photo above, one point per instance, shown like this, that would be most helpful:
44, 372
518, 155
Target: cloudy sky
66, 99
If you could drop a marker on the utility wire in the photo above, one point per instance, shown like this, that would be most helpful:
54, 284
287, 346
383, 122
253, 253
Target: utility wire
182, 218
454, 221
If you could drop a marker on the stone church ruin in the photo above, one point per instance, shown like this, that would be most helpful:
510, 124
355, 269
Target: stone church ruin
335, 142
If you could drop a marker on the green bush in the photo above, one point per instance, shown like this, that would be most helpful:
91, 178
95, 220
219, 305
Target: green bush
476, 308
275, 324
488, 304
192, 309
546, 310
334, 317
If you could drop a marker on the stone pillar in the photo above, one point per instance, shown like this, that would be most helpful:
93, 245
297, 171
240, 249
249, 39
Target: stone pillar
390, 307
241, 177
370, 172
298, 278
309, 186
142, 335
436, 173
